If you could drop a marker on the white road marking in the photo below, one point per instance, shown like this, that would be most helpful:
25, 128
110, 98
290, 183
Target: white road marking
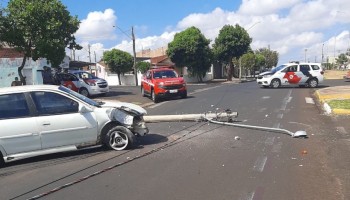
262, 109
158, 104
265, 97
269, 141
260, 164
277, 147
342, 130
280, 116
309, 100
249, 196
286, 100
277, 125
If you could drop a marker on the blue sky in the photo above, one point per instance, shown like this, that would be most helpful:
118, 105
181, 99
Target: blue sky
296, 29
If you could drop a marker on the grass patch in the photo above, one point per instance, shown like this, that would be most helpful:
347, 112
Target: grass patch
340, 104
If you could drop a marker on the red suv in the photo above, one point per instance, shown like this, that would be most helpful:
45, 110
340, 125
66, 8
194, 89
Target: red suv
163, 82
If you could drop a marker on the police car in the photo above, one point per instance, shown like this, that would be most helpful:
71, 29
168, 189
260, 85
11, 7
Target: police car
301, 74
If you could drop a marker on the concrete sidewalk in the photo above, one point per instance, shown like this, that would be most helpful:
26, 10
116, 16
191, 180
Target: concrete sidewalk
333, 93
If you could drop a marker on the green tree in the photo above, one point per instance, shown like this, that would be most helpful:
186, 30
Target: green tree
248, 61
271, 57
143, 66
118, 61
190, 48
232, 42
38, 29
342, 59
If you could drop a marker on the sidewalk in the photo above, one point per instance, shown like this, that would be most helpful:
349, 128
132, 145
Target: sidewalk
333, 93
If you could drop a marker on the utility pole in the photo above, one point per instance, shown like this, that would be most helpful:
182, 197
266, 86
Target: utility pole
305, 54
322, 54
90, 58
134, 51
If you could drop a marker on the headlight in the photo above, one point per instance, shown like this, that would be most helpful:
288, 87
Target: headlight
267, 76
160, 83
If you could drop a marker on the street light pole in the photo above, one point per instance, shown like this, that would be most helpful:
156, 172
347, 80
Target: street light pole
134, 51
305, 54
240, 62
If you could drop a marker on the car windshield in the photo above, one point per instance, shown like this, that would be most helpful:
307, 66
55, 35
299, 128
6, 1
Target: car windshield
85, 75
276, 69
79, 96
165, 74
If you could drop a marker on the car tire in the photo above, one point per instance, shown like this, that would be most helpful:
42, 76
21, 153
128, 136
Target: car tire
313, 83
143, 92
275, 83
119, 138
184, 95
154, 97
2, 162
84, 92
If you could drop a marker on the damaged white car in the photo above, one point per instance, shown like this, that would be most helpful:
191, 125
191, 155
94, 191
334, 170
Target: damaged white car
43, 119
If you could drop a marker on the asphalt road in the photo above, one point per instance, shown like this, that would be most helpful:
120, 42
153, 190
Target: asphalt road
198, 160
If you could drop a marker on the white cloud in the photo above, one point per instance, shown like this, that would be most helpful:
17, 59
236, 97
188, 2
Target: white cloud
285, 26
98, 26
265, 7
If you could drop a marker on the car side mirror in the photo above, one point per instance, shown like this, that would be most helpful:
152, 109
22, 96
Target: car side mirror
84, 109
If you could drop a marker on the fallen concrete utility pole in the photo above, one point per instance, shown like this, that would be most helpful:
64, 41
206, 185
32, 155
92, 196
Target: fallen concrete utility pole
188, 117
218, 118
294, 135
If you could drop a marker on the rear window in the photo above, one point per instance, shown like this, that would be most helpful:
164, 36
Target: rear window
315, 67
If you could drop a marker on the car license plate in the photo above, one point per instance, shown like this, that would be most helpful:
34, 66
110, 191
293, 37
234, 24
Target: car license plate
172, 91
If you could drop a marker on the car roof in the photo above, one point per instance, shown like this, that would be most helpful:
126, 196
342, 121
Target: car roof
27, 88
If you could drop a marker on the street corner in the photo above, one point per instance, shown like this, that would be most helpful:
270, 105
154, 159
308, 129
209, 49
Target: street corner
337, 93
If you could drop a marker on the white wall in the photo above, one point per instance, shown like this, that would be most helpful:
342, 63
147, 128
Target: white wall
209, 76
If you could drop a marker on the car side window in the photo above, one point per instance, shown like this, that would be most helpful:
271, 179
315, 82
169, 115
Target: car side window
13, 106
304, 68
49, 103
315, 67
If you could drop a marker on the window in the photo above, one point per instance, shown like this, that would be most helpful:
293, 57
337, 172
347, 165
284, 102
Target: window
315, 67
304, 68
49, 103
13, 106
165, 74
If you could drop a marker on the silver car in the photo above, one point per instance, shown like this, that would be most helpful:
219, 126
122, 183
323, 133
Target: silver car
43, 119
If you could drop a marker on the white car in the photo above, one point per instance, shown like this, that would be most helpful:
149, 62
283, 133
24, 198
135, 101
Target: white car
91, 85
43, 119
302, 74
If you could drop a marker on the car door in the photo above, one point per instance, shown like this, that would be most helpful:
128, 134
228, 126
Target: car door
290, 75
60, 122
19, 132
147, 83
304, 71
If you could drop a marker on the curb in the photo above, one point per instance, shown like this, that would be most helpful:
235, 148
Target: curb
328, 110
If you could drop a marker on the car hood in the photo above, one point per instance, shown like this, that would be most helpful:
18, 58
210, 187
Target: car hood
129, 107
266, 73
169, 81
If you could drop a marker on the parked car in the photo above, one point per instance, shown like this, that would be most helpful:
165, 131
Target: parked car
68, 80
42, 119
90, 84
347, 76
302, 74
163, 82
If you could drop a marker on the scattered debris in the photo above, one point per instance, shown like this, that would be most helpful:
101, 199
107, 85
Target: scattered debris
237, 138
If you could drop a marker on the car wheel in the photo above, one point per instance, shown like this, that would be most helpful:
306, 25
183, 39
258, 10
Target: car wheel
184, 95
154, 97
275, 83
313, 83
119, 138
143, 92
2, 162
84, 92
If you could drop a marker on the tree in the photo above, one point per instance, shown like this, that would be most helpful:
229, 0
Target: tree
38, 29
232, 42
259, 61
342, 59
190, 48
143, 66
248, 61
118, 61
271, 57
